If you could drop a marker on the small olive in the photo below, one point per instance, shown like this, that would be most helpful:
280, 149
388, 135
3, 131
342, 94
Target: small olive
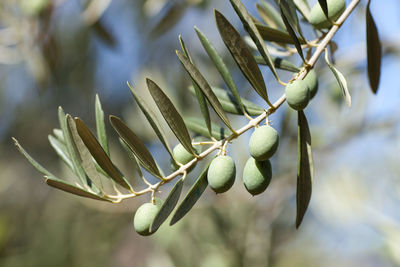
182, 156
317, 17
297, 94
145, 215
221, 174
312, 82
257, 175
263, 142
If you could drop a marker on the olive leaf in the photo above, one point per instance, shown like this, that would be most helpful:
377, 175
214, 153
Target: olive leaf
168, 206
270, 15
59, 135
251, 28
374, 51
135, 145
198, 126
170, 18
72, 153
288, 8
305, 168
221, 66
229, 104
205, 88
61, 150
84, 156
191, 197
171, 115
340, 79
279, 63
273, 35
100, 126
199, 93
151, 118
303, 7
241, 54
99, 154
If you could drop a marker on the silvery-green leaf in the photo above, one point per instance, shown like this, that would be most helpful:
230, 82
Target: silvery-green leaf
151, 118
273, 35
288, 8
168, 206
221, 66
340, 79
205, 87
279, 63
61, 150
305, 168
270, 15
293, 35
242, 55
171, 115
303, 7
170, 18
251, 28
84, 156
198, 126
136, 145
99, 154
199, 93
59, 135
100, 126
374, 51
191, 197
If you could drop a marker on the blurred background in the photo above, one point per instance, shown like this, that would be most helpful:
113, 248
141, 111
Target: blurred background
63, 52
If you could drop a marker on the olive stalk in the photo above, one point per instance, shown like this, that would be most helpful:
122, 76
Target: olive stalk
253, 122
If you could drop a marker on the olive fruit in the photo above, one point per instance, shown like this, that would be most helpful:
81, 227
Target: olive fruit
221, 174
145, 215
257, 175
312, 82
335, 9
297, 94
263, 142
182, 156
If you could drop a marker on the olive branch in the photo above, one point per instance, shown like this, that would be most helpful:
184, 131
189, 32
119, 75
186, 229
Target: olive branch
89, 157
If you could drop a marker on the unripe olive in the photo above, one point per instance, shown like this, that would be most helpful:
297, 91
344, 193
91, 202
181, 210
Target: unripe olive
144, 216
335, 9
297, 94
257, 175
312, 82
263, 142
182, 156
221, 174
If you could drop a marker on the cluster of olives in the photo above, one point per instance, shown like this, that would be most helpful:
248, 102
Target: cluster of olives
300, 92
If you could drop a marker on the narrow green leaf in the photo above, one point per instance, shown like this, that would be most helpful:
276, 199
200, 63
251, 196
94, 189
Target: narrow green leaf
305, 168
221, 66
136, 145
288, 8
73, 154
191, 197
293, 35
205, 87
199, 94
270, 15
168, 206
169, 19
241, 54
171, 115
151, 118
340, 79
69, 188
374, 51
61, 150
99, 154
84, 156
279, 63
198, 126
273, 35
251, 28
229, 104
303, 7
59, 135
100, 126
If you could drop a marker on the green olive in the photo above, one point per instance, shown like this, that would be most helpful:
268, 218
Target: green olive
335, 9
297, 94
182, 156
221, 174
257, 175
263, 142
145, 215
312, 82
